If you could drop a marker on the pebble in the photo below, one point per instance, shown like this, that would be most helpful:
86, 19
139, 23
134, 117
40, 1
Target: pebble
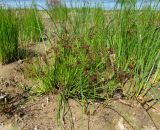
20, 61
2, 97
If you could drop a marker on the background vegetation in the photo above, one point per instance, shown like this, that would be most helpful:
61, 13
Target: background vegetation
9, 32
18, 26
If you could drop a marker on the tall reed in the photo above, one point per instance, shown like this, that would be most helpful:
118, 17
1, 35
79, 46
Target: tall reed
32, 27
8, 36
135, 39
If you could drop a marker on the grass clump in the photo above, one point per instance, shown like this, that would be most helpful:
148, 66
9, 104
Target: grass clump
81, 57
135, 38
97, 56
94, 56
31, 28
8, 36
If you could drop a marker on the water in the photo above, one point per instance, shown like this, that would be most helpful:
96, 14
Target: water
106, 4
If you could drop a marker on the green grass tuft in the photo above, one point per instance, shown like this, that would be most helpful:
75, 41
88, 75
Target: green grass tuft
32, 27
8, 36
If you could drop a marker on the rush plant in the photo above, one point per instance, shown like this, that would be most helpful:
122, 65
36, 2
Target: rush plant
8, 36
31, 28
135, 38
98, 53
80, 57
94, 55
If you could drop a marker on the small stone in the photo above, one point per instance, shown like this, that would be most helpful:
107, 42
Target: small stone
47, 100
2, 96
1, 125
74, 119
35, 128
20, 61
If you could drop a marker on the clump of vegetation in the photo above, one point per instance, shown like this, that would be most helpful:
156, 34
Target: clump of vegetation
126, 48
31, 25
81, 57
17, 25
9, 32
134, 37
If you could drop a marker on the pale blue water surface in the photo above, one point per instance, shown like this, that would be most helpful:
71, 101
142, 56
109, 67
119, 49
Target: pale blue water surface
106, 4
